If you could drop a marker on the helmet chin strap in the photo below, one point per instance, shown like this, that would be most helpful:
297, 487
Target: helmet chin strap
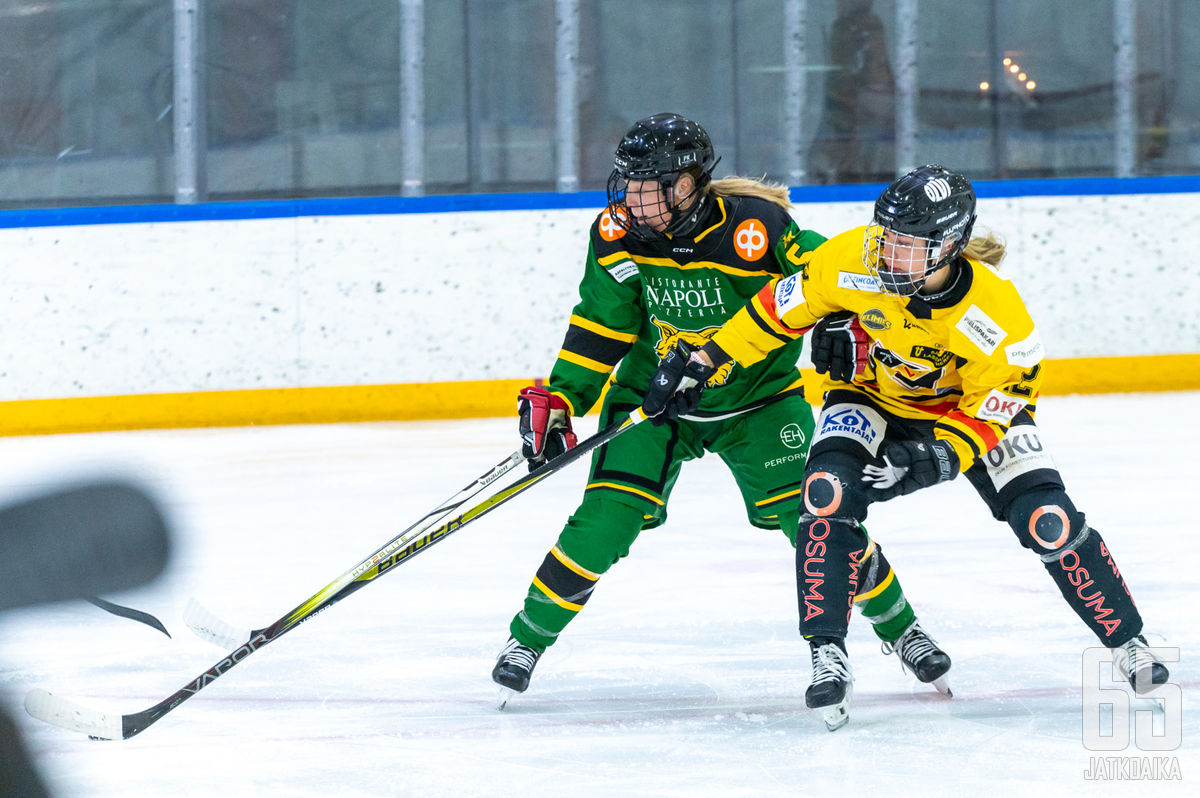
684, 222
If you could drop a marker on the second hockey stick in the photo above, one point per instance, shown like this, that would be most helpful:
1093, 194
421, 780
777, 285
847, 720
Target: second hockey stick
128, 612
106, 726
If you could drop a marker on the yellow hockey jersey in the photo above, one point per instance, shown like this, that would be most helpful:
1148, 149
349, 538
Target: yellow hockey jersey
970, 359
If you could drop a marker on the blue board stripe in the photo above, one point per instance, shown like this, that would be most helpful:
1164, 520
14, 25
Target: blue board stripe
357, 206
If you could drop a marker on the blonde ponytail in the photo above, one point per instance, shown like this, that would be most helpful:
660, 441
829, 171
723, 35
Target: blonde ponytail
751, 187
988, 249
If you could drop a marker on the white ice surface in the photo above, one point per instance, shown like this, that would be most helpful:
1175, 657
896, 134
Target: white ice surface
685, 674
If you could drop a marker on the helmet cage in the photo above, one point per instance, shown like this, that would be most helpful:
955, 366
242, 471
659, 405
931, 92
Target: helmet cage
660, 148
618, 193
902, 262
922, 222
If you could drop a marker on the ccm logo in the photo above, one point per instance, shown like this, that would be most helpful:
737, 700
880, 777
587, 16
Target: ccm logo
1000, 407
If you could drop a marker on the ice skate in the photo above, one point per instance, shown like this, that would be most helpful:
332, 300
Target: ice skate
1139, 666
832, 682
514, 667
920, 656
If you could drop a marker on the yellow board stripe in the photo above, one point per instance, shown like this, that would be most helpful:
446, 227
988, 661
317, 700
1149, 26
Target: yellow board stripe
550, 594
626, 489
421, 401
585, 362
599, 329
572, 565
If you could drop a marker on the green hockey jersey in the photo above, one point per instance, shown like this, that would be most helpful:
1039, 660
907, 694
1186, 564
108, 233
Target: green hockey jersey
638, 298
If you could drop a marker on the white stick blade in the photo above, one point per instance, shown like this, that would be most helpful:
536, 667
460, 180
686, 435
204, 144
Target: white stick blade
68, 715
208, 626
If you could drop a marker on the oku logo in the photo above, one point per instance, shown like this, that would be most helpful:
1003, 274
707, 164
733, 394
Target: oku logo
1001, 407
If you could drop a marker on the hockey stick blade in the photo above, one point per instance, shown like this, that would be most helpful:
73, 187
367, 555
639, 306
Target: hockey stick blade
69, 715
128, 612
207, 626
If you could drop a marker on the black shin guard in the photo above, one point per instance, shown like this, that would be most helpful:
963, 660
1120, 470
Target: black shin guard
1076, 558
1093, 586
827, 574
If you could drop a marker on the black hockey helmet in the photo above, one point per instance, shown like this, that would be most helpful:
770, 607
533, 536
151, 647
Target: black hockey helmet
934, 206
661, 148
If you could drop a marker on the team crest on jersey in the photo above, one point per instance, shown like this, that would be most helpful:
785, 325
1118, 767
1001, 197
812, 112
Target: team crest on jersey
874, 319
669, 335
938, 357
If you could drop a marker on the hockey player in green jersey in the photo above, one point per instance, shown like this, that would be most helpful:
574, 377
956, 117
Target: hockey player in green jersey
673, 256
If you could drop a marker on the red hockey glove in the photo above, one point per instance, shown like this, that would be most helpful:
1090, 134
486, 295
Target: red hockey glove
545, 425
840, 346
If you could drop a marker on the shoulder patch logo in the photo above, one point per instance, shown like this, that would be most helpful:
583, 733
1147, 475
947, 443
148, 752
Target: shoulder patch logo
750, 240
979, 328
610, 228
1027, 353
858, 282
874, 319
788, 294
623, 270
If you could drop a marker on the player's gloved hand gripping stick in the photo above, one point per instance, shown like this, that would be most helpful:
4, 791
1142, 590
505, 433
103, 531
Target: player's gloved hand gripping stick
106, 726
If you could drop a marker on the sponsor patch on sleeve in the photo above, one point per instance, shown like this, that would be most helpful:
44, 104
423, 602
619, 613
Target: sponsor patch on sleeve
1000, 407
788, 294
1027, 353
981, 330
858, 282
623, 270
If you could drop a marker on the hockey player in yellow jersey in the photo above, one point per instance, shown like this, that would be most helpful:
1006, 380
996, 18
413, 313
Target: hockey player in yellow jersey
932, 367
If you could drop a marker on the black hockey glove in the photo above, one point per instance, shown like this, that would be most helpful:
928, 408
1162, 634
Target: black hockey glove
912, 465
675, 388
840, 346
545, 425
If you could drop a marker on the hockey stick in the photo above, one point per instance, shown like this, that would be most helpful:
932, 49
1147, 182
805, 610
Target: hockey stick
208, 626
104, 726
128, 612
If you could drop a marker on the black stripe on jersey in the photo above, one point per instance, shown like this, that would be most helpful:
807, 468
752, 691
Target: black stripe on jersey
594, 346
976, 454
762, 323
563, 582
788, 489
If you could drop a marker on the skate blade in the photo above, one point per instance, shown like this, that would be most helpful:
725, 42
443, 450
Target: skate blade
943, 686
836, 716
506, 693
